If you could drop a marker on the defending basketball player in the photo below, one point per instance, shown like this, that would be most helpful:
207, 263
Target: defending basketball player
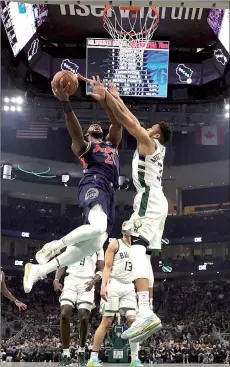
118, 295
78, 292
96, 192
150, 205
5, 291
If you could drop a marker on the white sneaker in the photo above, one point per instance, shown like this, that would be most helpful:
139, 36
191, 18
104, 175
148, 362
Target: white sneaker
46, 253
144, 326
146, 335
31, 276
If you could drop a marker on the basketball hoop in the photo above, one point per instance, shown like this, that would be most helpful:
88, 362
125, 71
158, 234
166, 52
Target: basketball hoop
131, 27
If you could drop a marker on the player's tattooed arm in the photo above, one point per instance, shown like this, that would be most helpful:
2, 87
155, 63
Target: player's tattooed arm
73, 125
145, 144
109, 258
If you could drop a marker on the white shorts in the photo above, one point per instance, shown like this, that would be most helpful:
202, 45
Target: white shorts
148, 220
121, 298
75, 295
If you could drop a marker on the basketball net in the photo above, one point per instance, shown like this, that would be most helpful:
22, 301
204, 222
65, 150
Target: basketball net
132, 32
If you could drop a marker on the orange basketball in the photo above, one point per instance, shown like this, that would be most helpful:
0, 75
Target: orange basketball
68, 77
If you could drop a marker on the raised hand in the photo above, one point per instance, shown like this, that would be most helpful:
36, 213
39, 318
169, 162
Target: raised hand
113, 89
98, 88
59, 91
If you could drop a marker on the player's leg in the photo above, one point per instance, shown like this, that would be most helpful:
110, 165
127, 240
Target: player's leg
146, 221
85, 303
66, 313
134, 347
128, 307
96, 216
108, 310
99, 336
72, 254
151, 281
83, 315
68, 300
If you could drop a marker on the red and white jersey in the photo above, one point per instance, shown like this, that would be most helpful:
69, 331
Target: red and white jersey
85, 269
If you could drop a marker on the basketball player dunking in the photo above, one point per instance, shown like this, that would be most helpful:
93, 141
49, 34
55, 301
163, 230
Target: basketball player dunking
118, 295
96, 192
78, 292
150, 205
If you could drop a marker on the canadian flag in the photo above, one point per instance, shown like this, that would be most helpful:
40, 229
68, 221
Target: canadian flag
209, 135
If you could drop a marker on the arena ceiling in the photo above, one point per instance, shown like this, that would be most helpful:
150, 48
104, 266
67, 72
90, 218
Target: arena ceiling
183, 27
63, 29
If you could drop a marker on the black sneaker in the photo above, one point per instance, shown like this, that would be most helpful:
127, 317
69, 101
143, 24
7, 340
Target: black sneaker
66, 361
81, 359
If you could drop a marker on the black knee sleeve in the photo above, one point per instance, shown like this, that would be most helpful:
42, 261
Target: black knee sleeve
139, 241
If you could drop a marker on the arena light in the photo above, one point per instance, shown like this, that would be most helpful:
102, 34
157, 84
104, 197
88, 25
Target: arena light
19, 100
227, 115
7, 171
12, 104
227, 106
65, 179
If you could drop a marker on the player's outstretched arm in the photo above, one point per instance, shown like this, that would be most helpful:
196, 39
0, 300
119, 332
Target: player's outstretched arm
73, 126
115, 129
5, 291
109, 258
145, 144
113, 91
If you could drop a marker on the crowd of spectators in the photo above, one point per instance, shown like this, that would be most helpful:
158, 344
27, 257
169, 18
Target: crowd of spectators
49, 218
196, 316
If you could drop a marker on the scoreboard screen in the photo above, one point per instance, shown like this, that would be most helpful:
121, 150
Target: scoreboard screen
135, 74
19, 20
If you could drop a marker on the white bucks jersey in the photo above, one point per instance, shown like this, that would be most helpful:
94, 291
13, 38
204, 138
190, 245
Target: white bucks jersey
148, 170
122, 266
87, 266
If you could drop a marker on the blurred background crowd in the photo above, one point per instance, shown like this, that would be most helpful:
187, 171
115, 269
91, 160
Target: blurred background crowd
195, 314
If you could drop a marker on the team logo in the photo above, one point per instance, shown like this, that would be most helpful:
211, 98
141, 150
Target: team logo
33, 49
184, 73
69, 65
220, 57
136, 225
91, 194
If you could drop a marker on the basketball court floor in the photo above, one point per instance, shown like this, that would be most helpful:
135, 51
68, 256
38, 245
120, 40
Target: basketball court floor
28, 364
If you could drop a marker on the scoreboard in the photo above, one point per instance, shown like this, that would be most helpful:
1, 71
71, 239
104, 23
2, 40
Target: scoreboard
135, 74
